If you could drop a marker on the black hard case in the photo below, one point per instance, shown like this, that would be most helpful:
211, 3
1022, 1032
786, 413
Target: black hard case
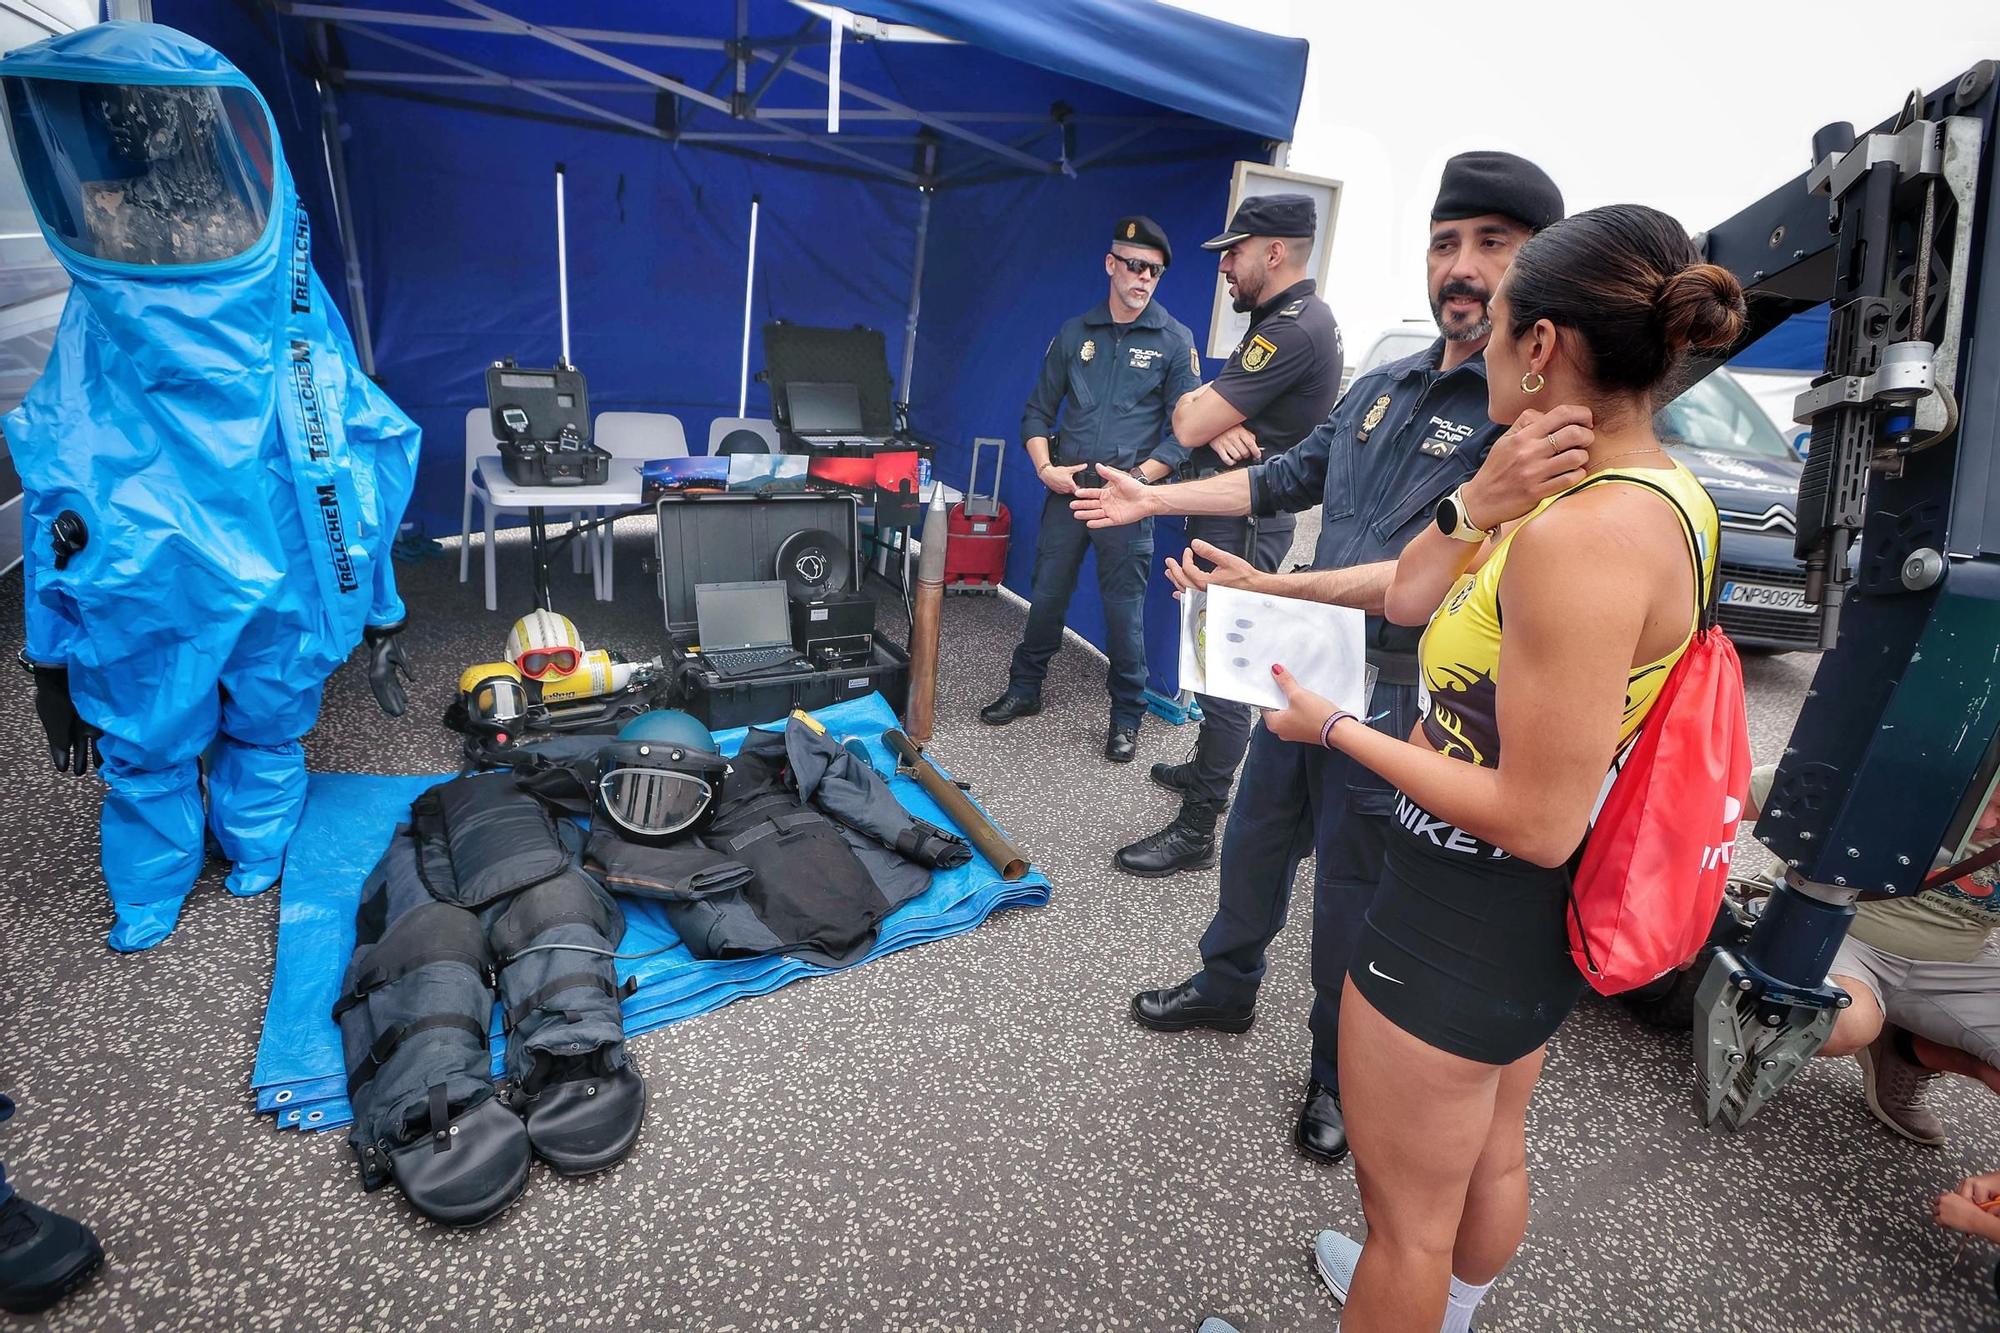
554, 400
735, 539
857, 356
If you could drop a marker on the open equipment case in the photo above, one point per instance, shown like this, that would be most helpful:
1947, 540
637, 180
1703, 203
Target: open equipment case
541, 419
803, 354
736, 539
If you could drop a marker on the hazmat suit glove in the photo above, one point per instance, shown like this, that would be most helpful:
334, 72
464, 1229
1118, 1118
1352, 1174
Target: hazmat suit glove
386, 660
72, 741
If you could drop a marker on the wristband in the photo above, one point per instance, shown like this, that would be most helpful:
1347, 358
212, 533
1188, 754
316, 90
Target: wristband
1326, 728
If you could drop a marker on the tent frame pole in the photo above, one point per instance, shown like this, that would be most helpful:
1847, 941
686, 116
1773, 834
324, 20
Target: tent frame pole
749, 290
916, 293
343, 219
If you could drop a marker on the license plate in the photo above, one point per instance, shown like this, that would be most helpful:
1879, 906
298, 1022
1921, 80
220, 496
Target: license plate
1758, 594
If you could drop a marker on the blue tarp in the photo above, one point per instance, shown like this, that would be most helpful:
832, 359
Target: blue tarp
299, 1077
452, 193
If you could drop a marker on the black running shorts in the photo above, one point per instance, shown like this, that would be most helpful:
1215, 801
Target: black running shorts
1465, 947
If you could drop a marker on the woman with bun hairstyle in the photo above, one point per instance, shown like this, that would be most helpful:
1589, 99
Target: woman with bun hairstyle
1549, 635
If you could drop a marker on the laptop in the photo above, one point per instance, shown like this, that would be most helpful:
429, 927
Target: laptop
826, 413
745, 629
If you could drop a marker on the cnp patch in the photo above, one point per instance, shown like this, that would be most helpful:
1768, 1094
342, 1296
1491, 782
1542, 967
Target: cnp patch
1445, 437
1088, 350
1258, 352
1374, 418
1131, 230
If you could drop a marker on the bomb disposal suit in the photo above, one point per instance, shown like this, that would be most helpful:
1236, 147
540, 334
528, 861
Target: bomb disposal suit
211, 484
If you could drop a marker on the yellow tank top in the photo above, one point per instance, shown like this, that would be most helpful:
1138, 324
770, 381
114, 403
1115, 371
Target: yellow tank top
1459, 683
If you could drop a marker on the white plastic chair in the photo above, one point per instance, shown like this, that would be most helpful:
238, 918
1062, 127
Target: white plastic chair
720, 428
632, 435
479, 443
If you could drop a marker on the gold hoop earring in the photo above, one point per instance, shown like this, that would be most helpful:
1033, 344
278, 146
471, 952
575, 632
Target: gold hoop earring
1536, 387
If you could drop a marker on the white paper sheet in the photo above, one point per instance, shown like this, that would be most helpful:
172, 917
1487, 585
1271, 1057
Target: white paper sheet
1194, 671
1236, 636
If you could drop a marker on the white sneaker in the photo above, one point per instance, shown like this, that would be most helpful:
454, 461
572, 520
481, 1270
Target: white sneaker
1334, 1255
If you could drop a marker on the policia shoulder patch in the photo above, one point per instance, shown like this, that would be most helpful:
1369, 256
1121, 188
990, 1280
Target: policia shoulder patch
1257, 353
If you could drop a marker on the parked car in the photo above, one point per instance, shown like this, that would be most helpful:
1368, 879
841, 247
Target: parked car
1741, 458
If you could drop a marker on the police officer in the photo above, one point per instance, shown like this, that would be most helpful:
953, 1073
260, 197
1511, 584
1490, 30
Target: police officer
1404, 438
1113, 374
1277, 385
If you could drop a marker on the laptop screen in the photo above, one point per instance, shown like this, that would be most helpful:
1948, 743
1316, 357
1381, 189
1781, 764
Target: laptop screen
828, 408
742, 615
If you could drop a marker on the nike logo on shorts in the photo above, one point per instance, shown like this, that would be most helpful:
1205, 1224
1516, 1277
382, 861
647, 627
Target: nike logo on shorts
1378, 972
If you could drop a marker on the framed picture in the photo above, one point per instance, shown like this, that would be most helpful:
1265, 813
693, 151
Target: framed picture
1253, 180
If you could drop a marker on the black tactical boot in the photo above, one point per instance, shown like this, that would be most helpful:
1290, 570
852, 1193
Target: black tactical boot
43, 1256
1174, 777
1186, 844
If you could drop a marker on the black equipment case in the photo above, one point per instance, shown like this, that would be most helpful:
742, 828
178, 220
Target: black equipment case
735, 539
542, 420
800, 353
858, 356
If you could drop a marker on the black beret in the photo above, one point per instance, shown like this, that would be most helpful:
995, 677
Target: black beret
1141, 230
1267, 215
1476, 184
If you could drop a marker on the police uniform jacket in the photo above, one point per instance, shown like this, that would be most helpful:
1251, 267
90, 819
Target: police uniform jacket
1120, 381
1404, 436
1283, 376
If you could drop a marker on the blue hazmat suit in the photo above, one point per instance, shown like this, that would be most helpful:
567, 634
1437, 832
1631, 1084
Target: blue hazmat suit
238, 479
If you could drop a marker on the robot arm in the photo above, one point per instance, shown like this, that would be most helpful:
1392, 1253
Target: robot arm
1899, 525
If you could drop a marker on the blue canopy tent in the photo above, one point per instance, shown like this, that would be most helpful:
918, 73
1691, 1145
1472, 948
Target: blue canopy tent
962, 206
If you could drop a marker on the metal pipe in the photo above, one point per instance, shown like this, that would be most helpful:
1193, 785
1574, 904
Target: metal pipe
916, 294
562, 265
994, 845
343, 221
749, 285
926, 622
833, 46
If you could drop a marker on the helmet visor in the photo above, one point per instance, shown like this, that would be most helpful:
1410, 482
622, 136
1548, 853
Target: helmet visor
497, 699
653, 802
143, 173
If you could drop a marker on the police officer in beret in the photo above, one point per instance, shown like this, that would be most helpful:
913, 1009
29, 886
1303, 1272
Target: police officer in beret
1405, 437
1112, 375
1277, 385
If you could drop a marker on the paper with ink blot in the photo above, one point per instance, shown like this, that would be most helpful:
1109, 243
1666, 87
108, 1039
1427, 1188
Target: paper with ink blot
1230, 638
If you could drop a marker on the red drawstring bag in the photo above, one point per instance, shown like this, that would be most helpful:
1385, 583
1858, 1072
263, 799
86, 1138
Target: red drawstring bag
1656, 860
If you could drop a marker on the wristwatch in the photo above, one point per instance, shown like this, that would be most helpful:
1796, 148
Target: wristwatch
1453, 523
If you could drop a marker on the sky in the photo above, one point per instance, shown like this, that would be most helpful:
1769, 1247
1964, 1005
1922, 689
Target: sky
1698, 108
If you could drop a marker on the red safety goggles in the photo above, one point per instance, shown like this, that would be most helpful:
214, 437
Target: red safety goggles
541, 663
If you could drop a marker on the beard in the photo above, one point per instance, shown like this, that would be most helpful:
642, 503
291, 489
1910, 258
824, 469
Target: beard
1245, 300
1458, 328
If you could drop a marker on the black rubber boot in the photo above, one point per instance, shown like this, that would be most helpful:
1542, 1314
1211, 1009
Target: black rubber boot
1186, 844
44, 1256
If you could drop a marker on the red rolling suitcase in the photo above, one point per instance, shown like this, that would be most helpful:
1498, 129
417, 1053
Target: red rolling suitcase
980, 527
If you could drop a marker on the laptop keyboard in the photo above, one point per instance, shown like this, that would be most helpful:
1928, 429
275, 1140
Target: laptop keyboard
737, 661
842, 439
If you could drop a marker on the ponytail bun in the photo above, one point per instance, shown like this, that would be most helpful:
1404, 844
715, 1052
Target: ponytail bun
1701, 308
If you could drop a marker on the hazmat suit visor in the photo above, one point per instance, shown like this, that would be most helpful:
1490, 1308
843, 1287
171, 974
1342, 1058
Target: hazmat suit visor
144, 174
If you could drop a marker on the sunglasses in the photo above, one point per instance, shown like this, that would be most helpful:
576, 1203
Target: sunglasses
541, 662
1138, 266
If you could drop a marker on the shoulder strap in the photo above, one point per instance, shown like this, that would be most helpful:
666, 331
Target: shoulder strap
1704, 604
